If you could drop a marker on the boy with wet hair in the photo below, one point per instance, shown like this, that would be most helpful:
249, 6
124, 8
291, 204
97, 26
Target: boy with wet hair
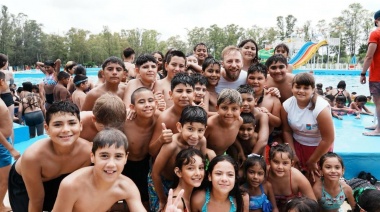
79, 95
129, 57
6, 149
108, 111
262, 119
182, 94
146, 67
113, 70
175, 62
247, 137
201, 96
139, 133
98, 187
279, 76
191, 128
60, 91
35, 177
223, 128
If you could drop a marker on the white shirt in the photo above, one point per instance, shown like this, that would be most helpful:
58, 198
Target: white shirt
223, 83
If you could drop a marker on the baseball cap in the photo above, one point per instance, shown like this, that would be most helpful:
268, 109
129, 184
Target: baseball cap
376, 16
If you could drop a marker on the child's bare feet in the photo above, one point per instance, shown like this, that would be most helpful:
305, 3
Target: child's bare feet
372, 133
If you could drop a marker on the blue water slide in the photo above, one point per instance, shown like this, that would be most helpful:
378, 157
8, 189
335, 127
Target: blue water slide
301, 52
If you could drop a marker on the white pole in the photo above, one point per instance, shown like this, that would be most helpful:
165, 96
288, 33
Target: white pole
338, 51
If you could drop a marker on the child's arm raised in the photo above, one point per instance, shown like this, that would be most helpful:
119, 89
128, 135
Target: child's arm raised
161, 161
161, 135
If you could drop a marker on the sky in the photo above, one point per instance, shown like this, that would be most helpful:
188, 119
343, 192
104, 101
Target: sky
173, 17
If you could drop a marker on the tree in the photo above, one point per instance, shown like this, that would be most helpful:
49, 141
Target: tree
352, 20
197, 35
306, 30
290, 23
176, 43
281, 27
77, 45
5, 30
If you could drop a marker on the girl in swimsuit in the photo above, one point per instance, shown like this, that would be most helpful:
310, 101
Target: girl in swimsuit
222, 191
256, 190
190, 170
287, 181
329, 190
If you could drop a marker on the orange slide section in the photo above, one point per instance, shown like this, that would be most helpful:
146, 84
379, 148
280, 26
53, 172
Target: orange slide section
309, 54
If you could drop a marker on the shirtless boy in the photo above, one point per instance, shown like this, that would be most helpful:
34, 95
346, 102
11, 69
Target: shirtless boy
6, 149
113, 69
81, 85
191, 128
211, 70
139, 133
182, 94
6, 94
200, 52
223, 128
174, 64
60, 92
129, 57
247, 137
146, 67
108, 111
35, 177
201, 96
279, 76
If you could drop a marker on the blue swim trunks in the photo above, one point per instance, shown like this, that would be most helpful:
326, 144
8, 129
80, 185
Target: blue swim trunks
5, 156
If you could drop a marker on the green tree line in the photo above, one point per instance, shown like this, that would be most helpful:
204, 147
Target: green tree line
24, 41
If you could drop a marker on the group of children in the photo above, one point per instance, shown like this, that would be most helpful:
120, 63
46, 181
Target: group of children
175, 133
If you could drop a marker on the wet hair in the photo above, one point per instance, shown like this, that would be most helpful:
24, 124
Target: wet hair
276, 58
341, 84
319, 85
80, 70
283, 148
242, 43
235, 192
27, 86
79, 80
2, 75
109, 110
63, 75
340, 98
360, 98
100, 74
19, 89
174, 53
229, 96
185, 157
369, 201
3, 60
181, 78
210, 61
109, 137
115, 60
252, 161
35, 87
306, 79
330, 155
258, 68
62, 107
228, 50
144, 58
330, 97
137, 91
192, 114
248, 118
281, 45
246, 89
127, 52
199, 78
69, 65
200, 44
49, 63
302, 204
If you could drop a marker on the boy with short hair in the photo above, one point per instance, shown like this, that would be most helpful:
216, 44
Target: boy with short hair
191, 128
262, 119
81, 85
108, 111
247, 137
182, 94
35, 177
223, 128
113, 70
139, 133
98, 187
175, 62
128, 57
201, 95
6, 149
60, 91
279, 76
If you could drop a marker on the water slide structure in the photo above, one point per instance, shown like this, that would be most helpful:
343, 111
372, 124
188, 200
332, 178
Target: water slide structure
305, 53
